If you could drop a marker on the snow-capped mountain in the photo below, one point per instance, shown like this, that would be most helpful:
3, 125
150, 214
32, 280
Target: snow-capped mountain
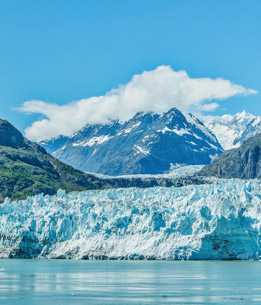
232, 130
243, 162
148, 143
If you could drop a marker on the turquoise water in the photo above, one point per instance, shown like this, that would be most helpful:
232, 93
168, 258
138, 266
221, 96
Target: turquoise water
50, 282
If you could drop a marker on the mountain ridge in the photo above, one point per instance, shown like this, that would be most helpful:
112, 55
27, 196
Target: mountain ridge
243, 162
26, 169
148, 143
232, 130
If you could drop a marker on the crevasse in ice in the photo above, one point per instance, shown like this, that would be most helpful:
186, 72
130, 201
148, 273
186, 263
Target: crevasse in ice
211, 221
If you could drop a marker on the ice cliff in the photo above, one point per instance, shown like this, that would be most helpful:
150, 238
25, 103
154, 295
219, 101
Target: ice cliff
216, 221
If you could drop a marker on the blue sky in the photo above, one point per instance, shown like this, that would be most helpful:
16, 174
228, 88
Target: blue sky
62, 51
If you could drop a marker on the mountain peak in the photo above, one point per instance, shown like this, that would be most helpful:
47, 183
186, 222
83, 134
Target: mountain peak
173, 110
244, 115
148, 143
10, 136
232, 130
243, 162
141, 114
27, 169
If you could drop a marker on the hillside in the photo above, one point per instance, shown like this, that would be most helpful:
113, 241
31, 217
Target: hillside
27, 169
243, 162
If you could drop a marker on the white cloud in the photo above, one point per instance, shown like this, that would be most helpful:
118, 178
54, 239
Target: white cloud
157, 90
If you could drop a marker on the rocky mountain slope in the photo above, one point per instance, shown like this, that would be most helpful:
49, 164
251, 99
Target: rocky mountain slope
232, 130
218, 221
27, 169
146, 144
243, 162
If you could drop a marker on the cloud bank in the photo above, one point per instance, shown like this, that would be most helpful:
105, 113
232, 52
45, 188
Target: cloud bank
157, 90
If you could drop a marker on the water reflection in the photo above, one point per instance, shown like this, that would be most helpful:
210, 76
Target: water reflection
121, 282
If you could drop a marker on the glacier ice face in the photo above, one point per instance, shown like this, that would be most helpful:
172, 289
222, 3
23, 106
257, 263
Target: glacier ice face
216, 221
175, 171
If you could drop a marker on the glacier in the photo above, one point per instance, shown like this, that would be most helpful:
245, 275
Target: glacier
204, 222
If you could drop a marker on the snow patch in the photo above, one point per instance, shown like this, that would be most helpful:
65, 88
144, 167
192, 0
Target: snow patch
128, 130
93, 141
179, 132
192, 120
141, 150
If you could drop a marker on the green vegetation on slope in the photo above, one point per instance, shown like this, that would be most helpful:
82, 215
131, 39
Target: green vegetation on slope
27, 169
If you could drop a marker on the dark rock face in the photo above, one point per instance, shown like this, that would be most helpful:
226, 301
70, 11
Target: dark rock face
154, 182
146, 144
10, 136
243, 162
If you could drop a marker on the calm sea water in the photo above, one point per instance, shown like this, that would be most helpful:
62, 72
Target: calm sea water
52, 282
